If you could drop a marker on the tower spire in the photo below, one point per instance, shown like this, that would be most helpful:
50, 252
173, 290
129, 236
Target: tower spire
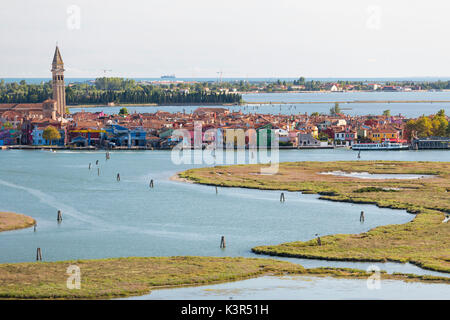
57, 59
59, 88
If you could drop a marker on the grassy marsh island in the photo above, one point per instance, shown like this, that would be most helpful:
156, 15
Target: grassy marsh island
122, 277
13, 221
423, 241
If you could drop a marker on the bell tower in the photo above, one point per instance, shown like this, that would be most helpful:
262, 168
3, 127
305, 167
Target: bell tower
59, 89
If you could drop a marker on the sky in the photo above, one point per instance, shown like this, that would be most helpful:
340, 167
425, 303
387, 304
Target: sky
240, 38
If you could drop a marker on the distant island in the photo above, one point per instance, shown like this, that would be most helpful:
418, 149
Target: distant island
104, 91
118, 90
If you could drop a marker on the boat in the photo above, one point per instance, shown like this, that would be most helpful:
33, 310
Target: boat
386, 145
168, 76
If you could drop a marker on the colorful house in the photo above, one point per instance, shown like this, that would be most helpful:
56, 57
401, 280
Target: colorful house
346, 136
384, 134
9, 135
38, 137
126, 137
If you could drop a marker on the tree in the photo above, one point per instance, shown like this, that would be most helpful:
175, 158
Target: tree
335, 110
123, 111
435, 125
323, 136
440, 125
51, 134
7, 125
422, 126
387, 113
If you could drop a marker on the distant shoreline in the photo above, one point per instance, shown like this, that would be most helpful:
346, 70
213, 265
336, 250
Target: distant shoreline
149, 105
254, 102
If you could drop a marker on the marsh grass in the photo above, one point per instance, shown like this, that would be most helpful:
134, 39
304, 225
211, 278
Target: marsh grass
424, 241
122, 277
13, 221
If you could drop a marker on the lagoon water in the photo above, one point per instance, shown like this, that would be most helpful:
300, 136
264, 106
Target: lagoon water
290, 106
304, 288
105, 218
378, 176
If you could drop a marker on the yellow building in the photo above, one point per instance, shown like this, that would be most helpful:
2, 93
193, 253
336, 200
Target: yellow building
383, 134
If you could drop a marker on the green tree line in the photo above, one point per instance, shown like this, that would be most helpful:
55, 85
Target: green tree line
427, 126
105, 90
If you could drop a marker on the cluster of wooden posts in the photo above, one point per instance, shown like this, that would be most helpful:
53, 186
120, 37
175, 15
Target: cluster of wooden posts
151, 185
108, 156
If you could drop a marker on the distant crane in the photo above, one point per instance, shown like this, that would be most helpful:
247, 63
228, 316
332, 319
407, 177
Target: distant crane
219, 76
105, 71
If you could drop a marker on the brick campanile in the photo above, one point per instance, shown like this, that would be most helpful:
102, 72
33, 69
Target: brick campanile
59, 89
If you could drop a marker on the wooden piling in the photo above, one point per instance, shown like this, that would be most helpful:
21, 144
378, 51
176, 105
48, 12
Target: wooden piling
38, 254
98, 171
282, 199
59, 217
222, 242
217, 191
361, 217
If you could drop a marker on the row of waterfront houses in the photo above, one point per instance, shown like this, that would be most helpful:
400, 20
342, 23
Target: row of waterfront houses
155, 130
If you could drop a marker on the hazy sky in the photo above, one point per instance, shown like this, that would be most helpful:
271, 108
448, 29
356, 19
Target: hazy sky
241, 38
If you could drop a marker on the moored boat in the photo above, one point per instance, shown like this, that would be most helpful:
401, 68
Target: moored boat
380, 146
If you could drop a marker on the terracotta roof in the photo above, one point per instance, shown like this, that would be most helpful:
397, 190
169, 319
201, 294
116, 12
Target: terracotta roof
11, 114
384, 130
28, 106
7, 106
87, 124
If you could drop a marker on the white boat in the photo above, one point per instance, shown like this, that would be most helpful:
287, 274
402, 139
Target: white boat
380, 146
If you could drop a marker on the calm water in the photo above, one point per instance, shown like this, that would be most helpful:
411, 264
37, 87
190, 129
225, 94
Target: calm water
406, 109
366, 175
304, 288
105, 218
